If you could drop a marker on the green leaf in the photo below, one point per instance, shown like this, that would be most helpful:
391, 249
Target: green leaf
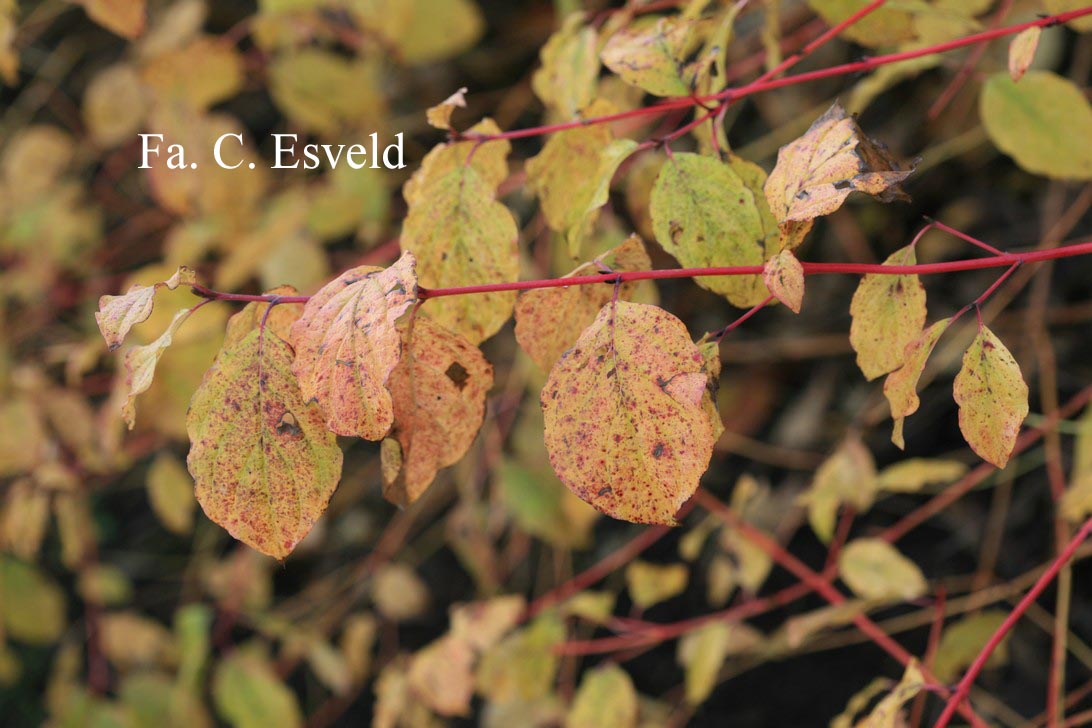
523, 665
32, 606
702, 653
649, 56
888, 314
262, 459
705, 215
649, 584
249, 694
914, 474
1037, 122
874, 569
992, 398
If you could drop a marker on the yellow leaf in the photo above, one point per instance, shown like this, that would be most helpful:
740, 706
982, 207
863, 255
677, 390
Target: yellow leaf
704, 214
131, 640
1022, 52
463, 236
140, 362
310, 86
703, 651
24, 443
262, 459
874, 569
441, 676
438, 396
992, 398
888, 315
961, 643
566, 78
482, 624
817, 172
439, 116
606, 697
118, 314
170, 492
124, 17
882, 27
888, 712
523, 665
399, 594
847, 476
32, 606
200, 74
249, 693
347, 344
650, 56
784, 276
913, 474
549, 320
25, 518
1081, 25
9, 57
901, 385
489, 160
1035, 121
115, 105
799, 629
649, 584
433, 30
105, 584
1076, 503
572, 175
625, 424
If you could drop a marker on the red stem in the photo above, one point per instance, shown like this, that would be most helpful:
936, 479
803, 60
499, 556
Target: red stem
964, 687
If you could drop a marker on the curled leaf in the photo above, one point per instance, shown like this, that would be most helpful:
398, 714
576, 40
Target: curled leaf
347, 344
901, 385
140, 364
992, 398
118, 314
262, 459
439, 116
625, 424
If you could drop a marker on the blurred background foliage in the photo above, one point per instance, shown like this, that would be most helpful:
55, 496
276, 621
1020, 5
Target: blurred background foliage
120, 604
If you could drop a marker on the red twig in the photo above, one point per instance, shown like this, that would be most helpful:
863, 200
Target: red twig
964, 687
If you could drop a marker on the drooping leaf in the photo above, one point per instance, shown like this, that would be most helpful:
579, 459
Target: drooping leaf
817, 172
874, 569
347, 344
649, 584
888, 712
463, 236
651, 56
24, 518
961, 643
262, 459
549, 320
249, 694
847, 476
438, 397
1022, 52
118, 314
913, 474
572, 174
569, 68
992, 398
705, 215
901, 385
606, 697
124, 17
784, 277
888, 315
702, 653
140, 362
625, 426
1076, 503
1034, 122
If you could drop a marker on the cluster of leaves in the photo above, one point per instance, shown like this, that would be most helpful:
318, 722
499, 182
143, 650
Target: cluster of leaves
620, 407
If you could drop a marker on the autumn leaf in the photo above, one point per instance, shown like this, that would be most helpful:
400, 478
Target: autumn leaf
784, 277
649, 584
438, 396
441, 675
606, 697
118, 314
140, 364
566, 78
549, 320
1022, 52
874, 569
249, 694
347, 344
651, 56
847, 476
262, 459
625, 425
124, 17
888, 315
817, 172
439, 116
992, 398
703, 651
488, 160
913, 474
705, 215
277, 319
901, 385
888, 712
463, 236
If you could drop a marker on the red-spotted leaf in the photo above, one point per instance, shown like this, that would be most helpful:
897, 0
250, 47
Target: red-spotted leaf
347, 344
626, 428
992, 398
784, 276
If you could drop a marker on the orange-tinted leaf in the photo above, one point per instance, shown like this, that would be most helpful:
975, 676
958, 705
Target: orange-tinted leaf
279, 320
347, 344
118, 314
1022, 52
262, 459
124, 17
784, 276
549, 320
438, 393
992, 398
625, 424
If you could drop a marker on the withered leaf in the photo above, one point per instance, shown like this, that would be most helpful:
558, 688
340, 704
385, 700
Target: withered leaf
438, 394
439, 116
118, 314
140, 364
901, 385
626, 429
263, 461
347, 344
784, 277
